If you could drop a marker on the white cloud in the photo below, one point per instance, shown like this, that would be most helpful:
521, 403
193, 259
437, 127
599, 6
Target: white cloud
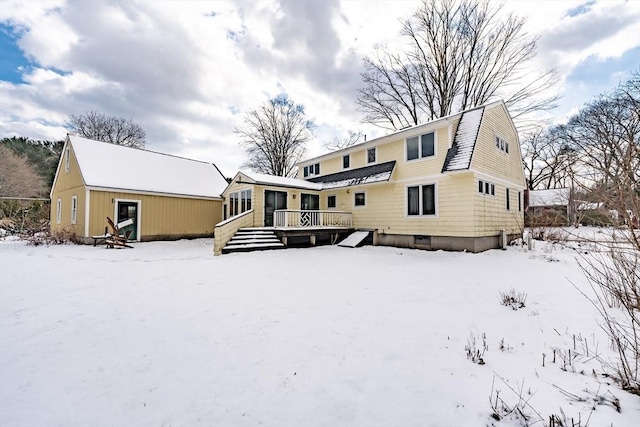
187, 70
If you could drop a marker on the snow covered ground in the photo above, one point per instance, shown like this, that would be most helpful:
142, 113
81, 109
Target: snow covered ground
166, 334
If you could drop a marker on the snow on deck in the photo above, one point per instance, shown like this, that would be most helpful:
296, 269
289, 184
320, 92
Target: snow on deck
465, 140
114, 166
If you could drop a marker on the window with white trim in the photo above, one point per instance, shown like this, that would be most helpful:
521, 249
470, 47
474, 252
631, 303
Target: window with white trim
421, 146
58, 211
421, 200
487, 188
346, 161
67, 159
74, 209
502, 145
239, 202
245, 200
331, 202
371, 155
360, 198
311, 170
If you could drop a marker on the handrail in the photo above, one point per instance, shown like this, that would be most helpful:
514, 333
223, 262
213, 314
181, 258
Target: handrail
224, 231
312, 218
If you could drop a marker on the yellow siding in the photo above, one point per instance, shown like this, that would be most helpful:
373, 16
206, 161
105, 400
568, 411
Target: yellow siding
257, 198
487, 158
386, 204
68, 184
161, 216
492, 215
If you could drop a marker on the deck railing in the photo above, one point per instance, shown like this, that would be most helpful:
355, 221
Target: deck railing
296, 218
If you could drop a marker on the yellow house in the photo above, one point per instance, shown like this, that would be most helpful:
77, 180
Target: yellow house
166, 197
455, 183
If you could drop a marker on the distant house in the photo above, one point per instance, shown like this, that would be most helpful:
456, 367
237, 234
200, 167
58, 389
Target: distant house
167, 197
454, 183
551, 207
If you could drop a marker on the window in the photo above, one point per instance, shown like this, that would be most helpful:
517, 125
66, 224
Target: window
371, 155
239, 202
485, 187
421, 146
359, 199
508, 201
245, 198
331, 201
233, 204
312, 170
421, 200
519, 201
74, 209
502, 145
345, 161
67, 160
59, 211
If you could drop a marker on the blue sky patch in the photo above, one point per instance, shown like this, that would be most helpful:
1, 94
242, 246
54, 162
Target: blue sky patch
579, 10
13, 63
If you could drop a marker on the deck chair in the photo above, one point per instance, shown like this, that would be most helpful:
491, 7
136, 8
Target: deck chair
117, 239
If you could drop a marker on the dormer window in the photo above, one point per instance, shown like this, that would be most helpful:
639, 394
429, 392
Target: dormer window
346, 160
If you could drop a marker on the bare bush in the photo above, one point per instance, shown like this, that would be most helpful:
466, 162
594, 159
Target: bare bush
474, 352
614, 277
513, 299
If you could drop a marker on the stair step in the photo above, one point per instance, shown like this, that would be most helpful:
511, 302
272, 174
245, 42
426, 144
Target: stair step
254, 236
235, 242
251, 247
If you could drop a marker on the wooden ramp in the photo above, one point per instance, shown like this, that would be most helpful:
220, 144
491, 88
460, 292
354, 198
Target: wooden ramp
354, 239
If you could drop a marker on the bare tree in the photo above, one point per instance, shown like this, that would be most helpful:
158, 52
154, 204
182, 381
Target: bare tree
274, 136
460, 54
547, 158
112, 129
352, 138
606, 136
18, 177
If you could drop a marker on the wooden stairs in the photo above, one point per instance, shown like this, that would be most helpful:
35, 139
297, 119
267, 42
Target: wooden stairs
253, 239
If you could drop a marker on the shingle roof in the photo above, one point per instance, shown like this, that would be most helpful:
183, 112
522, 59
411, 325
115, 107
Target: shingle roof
114, 166
366, 175
459, 155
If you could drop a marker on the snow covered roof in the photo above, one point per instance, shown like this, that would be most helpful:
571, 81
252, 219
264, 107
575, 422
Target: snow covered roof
459, 155
366, 175
551, 197
280, 181
114, 166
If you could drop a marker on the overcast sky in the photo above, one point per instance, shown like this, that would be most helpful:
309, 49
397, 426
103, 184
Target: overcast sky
187, 71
